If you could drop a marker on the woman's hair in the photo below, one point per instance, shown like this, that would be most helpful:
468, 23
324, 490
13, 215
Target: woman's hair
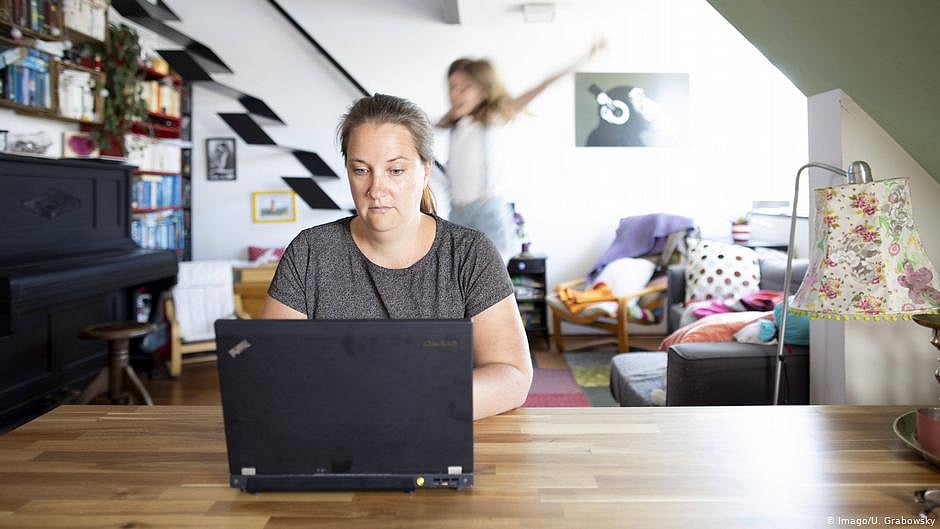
497, 103
382, 108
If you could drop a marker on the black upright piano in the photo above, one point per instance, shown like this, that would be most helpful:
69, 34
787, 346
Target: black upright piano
66, 261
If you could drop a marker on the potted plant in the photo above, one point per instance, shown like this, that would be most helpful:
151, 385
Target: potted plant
122, 103
520, 229
741, 228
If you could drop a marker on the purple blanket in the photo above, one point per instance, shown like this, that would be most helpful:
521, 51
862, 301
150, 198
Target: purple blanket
639, 236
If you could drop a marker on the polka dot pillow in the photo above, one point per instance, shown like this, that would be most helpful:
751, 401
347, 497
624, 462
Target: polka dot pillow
720, 271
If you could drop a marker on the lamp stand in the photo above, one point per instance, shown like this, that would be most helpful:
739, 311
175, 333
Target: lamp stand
858, 172
931, 321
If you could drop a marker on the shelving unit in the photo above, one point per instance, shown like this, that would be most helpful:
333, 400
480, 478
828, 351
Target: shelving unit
527, 273
161, 214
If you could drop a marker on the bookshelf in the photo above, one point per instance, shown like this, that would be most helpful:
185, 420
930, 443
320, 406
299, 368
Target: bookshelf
159, 145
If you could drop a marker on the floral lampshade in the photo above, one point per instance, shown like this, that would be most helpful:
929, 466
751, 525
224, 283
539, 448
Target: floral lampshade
868, 261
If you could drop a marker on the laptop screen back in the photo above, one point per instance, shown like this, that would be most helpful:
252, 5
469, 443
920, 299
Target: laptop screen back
306, 397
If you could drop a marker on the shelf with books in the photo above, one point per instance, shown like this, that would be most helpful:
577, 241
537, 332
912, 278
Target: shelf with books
153, 74
163, 230
79, 94
28, 78
152, 192
159, 144
85, 20
41, 19
157, 212
35, 83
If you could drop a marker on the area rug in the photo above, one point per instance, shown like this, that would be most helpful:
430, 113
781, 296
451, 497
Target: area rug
586, 382
553, 388
591, 371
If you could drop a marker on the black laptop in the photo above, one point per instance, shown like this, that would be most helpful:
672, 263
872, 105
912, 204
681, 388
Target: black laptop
347, 404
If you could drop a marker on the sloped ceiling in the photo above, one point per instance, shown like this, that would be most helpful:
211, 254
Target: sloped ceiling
884, 53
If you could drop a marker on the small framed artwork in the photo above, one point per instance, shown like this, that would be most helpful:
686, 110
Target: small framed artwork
273, 206
220, 158
79, 145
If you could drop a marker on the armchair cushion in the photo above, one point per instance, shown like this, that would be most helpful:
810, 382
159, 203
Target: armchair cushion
203, 294
626, 275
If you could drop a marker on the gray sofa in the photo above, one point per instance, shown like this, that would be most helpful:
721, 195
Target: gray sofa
715, 374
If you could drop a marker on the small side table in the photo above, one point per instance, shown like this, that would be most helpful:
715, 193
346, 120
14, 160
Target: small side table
110, 379
527, 273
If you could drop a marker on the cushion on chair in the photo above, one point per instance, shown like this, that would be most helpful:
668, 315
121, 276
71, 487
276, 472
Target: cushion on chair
203, 294
626, 275
720, 271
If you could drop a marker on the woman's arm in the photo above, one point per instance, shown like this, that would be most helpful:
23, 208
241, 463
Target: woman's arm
502, 370
275, 310
519, 103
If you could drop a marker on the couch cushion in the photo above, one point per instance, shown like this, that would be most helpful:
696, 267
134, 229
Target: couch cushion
634, 376
715, 328
773, 269
720, 271
723, 374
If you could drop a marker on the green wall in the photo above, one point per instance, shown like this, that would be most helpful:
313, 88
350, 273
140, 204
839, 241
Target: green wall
884, 53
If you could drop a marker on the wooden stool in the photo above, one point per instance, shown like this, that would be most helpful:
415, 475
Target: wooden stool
110, 379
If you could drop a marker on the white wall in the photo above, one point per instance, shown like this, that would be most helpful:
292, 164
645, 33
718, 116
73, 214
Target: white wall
24, 124
871, 362
748, 123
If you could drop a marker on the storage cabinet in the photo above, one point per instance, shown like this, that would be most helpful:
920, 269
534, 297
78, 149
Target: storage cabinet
527, 273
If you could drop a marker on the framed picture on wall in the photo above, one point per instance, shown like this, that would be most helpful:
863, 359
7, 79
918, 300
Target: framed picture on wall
220, 158
631, 109
273, 206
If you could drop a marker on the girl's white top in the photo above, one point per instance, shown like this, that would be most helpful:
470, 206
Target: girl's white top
476, 163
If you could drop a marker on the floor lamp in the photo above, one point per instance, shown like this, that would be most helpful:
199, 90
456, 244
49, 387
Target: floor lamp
867, 261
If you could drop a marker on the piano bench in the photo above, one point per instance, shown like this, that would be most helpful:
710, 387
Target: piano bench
110, 379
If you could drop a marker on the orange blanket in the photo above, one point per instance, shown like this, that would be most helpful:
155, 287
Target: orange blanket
577, 300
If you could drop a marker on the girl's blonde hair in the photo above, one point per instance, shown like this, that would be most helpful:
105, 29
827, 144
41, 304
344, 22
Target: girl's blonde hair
497, 103
382, 108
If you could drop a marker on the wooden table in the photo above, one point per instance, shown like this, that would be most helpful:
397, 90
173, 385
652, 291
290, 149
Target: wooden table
748, 467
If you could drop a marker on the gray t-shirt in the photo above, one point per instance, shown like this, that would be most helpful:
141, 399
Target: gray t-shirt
324, 275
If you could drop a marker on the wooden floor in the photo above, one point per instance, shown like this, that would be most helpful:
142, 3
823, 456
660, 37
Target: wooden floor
199, 383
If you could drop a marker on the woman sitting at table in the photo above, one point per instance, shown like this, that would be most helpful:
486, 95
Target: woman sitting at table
397, 259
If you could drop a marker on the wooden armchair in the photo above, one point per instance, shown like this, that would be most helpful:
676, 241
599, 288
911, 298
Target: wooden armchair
615, 321
178, 347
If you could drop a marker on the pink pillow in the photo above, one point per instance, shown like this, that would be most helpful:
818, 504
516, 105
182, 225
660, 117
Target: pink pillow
265, 255
715, 328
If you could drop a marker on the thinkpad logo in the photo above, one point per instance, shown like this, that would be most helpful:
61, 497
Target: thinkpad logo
440, 343
239, 348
